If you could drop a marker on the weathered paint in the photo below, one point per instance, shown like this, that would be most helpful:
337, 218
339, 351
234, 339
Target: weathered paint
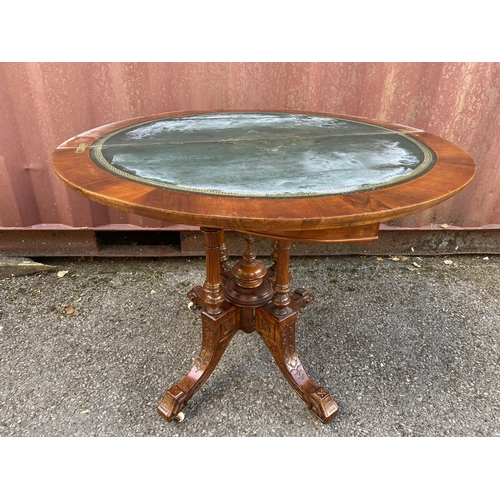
43, 104
67, 242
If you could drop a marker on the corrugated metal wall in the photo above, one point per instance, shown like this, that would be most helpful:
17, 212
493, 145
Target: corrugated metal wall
43, 104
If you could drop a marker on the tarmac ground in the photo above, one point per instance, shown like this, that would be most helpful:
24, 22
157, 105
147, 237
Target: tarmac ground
406, 346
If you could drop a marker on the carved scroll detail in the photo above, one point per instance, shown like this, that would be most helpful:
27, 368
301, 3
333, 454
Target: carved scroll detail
278, 333
217, 332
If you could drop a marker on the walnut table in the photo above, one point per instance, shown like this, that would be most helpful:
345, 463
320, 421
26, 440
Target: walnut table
287, 176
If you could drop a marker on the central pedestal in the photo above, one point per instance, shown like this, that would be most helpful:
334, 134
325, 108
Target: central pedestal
250, 298
249, 286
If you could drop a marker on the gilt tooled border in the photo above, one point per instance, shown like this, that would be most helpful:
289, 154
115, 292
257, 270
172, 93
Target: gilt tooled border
96, 153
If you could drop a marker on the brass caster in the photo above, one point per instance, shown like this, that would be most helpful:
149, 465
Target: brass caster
179, 417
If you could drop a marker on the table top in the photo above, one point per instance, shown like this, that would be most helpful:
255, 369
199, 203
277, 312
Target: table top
281, 174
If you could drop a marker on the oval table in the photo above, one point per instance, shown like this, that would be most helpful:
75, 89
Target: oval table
287, 176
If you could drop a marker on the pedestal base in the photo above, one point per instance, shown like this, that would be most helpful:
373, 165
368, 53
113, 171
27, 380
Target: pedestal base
264, 306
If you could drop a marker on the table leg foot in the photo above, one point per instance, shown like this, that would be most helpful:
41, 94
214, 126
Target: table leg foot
172, 403
300, 298
197, 296
278, 334
321, 404
217, 333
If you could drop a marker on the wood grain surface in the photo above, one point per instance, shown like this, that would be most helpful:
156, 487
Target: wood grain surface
311, 219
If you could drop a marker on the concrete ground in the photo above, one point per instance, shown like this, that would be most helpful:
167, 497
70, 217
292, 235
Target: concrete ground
407, 347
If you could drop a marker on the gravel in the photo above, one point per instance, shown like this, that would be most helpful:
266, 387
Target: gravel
406, 346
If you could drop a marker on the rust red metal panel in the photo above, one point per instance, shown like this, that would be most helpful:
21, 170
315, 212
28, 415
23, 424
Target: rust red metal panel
43, 104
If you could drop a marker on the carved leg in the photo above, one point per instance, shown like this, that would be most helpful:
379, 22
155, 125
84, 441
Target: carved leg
279, 336
220, 322
217, 333
276, 324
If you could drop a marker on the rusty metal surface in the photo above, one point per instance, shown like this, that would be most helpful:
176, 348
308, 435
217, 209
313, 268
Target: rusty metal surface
43, 104
161, 243
391, 241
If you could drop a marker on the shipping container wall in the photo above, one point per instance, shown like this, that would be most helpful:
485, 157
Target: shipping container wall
43, 104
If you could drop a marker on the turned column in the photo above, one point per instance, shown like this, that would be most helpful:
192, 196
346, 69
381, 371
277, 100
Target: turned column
213, 297
271, 270
249, 286
225, 270
281, 298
